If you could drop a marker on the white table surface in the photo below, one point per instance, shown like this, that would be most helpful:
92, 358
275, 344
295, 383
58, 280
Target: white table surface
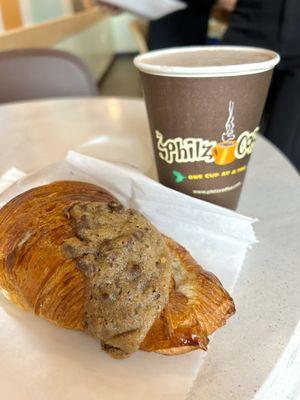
265, 330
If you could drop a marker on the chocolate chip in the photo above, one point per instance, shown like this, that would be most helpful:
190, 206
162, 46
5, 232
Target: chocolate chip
107, 246
84, 222
83, 207
134, 271
83, 264
84, 219
69, 250
105, 296
114, 206
138, 235
73, 248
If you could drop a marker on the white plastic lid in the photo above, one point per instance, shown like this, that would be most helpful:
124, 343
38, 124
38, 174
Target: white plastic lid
206, 61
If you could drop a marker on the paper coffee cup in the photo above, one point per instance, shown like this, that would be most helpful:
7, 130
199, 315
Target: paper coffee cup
204, 106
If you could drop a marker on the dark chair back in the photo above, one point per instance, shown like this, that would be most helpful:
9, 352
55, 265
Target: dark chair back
43, 73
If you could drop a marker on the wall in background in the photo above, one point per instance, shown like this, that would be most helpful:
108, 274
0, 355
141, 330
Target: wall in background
18, 13
10, 14
93, 45
123, 39
98, 44
25, 6
46, 9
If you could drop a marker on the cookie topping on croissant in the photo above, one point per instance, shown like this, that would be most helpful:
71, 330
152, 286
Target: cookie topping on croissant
70, 252
126, 262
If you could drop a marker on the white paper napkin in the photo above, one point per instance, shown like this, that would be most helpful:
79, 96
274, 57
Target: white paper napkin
151, 9
218, 238
9, 177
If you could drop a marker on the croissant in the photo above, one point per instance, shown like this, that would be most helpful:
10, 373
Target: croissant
72, 254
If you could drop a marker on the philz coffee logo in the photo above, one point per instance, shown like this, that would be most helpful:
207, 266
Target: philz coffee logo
226, 151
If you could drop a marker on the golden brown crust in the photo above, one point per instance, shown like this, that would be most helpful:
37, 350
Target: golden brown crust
177, 351
198, 305
32, 268
38, 277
